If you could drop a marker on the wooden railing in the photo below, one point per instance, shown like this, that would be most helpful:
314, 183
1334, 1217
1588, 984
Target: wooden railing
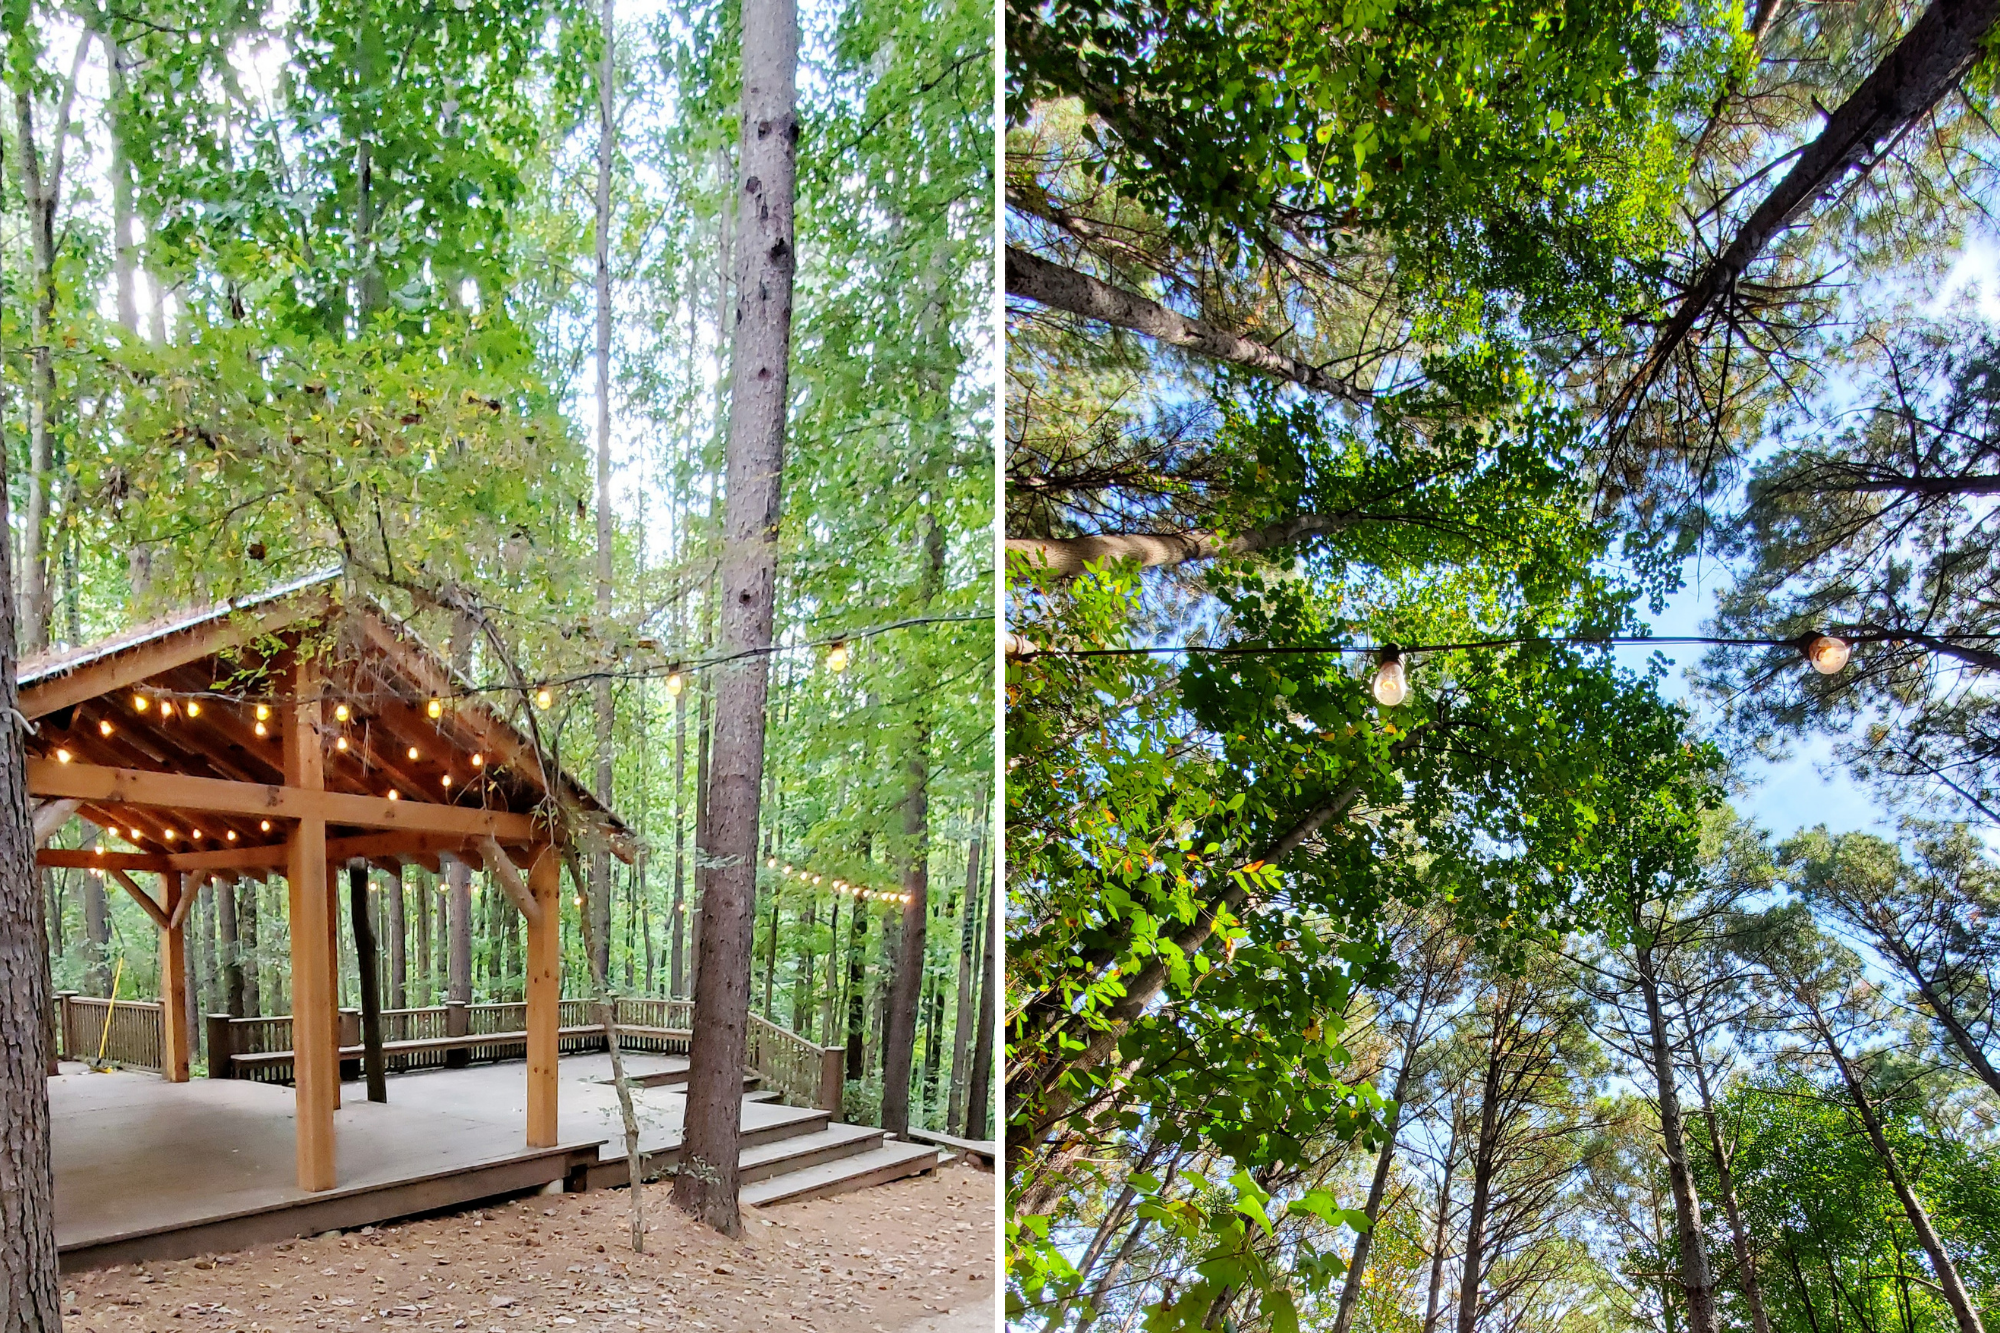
803, 1073
134, 1038
446, 1035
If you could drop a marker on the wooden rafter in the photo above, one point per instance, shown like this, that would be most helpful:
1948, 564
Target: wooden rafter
131, 786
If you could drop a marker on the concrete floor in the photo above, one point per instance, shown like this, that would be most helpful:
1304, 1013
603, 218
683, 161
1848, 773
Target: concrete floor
136, 1155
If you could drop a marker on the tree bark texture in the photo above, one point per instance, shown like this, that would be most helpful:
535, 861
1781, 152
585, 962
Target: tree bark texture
1697, 1282
366, 955
1036, 279
968, 950
29, 1294
1936, 53
600, 857
458, 914
397, 928
979, 1086
706, 1184
900, 1028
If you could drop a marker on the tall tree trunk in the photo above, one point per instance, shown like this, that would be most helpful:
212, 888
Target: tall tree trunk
1725, 1177
96, 934
124, 253
677, 915
600, 857
458, 913
366, 955
398, 932
229, 947
1440, 1232
857, 995
1036, 279
706, 1185
900, 1026
968, 947
979, 1087
829, 1003
703, 732
1697, 1282
771, 957
1950, 1284
40, 186
253, 958
29, 1293
1385, 1156
933, 1043
1484, 1152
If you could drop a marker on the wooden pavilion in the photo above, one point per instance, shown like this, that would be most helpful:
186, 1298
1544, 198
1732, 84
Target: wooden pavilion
293, 733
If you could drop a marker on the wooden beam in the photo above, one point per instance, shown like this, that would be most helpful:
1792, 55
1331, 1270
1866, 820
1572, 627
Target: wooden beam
509, 876
492, 734
544, 986
315, 1066
144, 898
269, 857
132, 665
132, 786
51, 816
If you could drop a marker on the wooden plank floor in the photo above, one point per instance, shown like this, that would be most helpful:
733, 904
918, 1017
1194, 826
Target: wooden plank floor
150, 1169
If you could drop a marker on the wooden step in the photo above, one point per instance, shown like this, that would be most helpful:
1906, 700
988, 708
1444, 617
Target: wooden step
795, 1154
892, 1161
766, 1095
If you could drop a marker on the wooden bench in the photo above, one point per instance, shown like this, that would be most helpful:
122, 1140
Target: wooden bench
983, 1149
425, 1045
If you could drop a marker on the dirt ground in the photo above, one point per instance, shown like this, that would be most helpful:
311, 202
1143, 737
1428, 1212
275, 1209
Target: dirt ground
878, 1260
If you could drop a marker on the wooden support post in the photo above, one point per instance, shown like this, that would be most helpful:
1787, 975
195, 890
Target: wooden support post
314, 1057
221, 1046
341, 1072
544, 995
832, 1079
175, 1039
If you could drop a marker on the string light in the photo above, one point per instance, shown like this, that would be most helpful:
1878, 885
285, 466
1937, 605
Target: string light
436, 709
194, 708
413, 752
340, 743
447, 781
264, 824
340, 712
675, 683
135, 835
1390, 686
263, 711
166, 708
62, 756
479, 761
836, 656
544, 697
395, 795
104, 727
263, 730
1828, 653
139, 701
231, 835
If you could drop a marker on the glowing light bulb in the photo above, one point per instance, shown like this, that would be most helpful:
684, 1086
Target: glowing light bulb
436, 708
544, 697
413, 752
195, 833
263, 730
263, 711
675, 684
771, 861
1828, 653
447, 780
194, 708
1390, 686
340, 712
231, 835
578, 900
104, 727
62, 756
166, 708
395, 795
479, 761
170, 835
139, 701
340, 744
135, 834
836, 657
264, 824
